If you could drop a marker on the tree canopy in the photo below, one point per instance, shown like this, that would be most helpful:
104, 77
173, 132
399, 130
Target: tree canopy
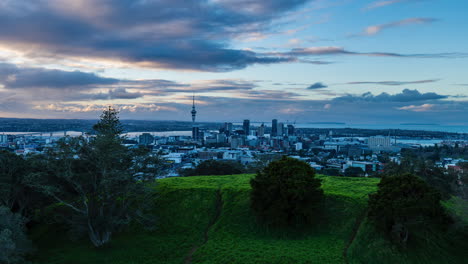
95, 179
286, 193
214, 167
405, 203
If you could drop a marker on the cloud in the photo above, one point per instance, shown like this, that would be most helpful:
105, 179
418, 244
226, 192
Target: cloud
335, 51
317, 85
79, 108
12, 77
396, 83
417, 108
117, 93
378, 4
373, 30
170, 34
405, 96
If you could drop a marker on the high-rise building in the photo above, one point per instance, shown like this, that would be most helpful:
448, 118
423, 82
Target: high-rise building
195, 133
261, 130
291, 131
280, 129
3, 139
246, 127
274, 128
227, 129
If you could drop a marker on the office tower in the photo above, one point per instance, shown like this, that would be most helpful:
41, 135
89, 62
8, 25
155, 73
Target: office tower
246, 127
195, 133
227, 128
261, 131
291, 131
274, 128
280, 129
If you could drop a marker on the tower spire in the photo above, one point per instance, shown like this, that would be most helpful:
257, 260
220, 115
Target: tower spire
194, 112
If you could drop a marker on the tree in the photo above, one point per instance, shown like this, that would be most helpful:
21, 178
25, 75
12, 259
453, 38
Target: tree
96, 181
286, 193
14, 243
12, 172
214, 167
403, 204
14, 192
354, 172
331, 172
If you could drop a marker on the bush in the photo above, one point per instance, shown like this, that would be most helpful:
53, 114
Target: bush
405, 203
354, 172
286, 193
14, 243
214, 167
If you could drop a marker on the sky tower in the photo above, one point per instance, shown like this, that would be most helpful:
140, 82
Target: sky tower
194, 112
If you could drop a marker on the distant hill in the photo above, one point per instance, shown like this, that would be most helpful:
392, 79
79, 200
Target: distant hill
207, 219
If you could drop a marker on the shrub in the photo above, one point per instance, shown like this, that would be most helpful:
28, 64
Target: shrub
286, 193
214, 167
405, 203
354, 172
14, 243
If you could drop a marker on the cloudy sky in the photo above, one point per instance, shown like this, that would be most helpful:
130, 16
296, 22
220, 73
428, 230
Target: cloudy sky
353, 61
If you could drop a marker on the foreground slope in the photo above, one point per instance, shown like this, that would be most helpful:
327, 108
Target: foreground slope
207, 219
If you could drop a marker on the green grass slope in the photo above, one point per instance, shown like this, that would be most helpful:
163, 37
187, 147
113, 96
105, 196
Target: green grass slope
207, 220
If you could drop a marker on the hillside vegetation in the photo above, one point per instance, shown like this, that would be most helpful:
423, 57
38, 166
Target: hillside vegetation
207, 219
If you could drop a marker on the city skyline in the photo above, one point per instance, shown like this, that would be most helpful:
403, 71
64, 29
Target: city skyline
352, 61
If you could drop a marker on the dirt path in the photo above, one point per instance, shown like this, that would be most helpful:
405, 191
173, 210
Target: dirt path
358, 223
214, 219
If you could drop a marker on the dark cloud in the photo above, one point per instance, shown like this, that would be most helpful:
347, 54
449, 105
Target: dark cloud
178, 34
396, 83
12, 77
405, 96
323, 51
173, 34
317, 85
117, 93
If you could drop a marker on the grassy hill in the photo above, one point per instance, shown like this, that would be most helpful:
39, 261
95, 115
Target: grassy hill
207, 220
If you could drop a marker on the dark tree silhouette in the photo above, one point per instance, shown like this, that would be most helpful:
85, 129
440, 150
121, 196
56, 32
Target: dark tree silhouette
96, 181
405, 203
286, 193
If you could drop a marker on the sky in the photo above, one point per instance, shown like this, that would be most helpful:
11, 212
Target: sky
352, 61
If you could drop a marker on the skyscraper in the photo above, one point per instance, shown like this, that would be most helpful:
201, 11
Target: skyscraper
227, 128
195, 133
274, 128
246, 127
261, 130
280, 129
291, 131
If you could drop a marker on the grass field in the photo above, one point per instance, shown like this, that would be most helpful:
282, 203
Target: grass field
207, 219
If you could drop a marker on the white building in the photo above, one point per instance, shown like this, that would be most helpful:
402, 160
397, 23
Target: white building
298, 146
379, 143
